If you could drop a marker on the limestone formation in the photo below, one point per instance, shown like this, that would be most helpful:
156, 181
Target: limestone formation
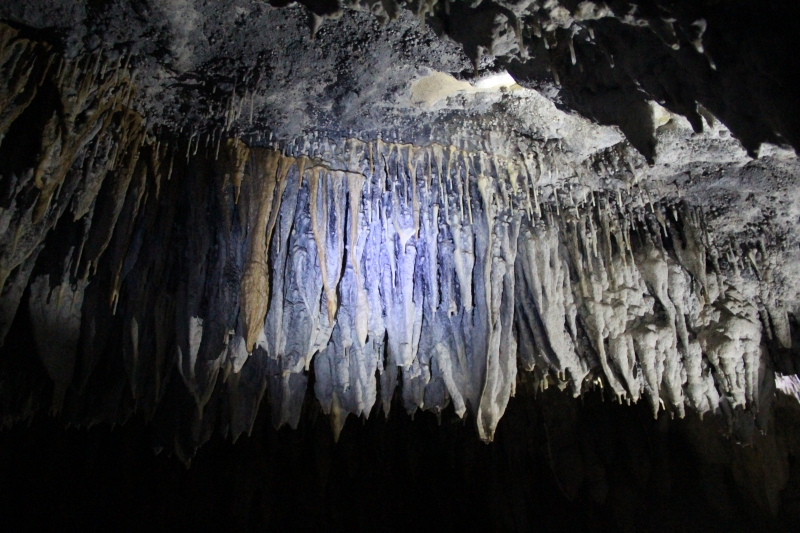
184, 264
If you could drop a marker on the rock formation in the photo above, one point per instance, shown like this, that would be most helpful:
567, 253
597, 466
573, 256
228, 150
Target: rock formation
603, 201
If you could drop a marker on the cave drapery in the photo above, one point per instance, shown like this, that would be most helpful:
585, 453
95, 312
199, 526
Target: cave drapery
186, 240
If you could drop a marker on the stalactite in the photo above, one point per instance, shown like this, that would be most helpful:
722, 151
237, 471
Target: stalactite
267, 176
355, 184
281, 264
90, 117
23, 66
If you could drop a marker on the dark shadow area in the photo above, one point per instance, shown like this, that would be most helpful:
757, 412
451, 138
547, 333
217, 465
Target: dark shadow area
557, 464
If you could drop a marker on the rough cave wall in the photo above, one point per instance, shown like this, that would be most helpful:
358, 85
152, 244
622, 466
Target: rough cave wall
186, 276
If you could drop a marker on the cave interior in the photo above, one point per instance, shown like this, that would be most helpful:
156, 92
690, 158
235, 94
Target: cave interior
399, 265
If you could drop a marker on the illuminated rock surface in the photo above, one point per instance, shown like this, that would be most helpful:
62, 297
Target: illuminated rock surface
218, 208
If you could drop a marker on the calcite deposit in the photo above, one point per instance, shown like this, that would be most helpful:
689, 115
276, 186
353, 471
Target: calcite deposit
183, 236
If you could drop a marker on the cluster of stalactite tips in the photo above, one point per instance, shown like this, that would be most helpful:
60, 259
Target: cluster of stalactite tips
144, 269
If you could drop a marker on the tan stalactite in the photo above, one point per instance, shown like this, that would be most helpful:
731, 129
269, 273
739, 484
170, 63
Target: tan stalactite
64, 140
254, 291
64, 143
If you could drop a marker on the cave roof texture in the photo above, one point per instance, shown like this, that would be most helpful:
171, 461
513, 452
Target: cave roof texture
211, 209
